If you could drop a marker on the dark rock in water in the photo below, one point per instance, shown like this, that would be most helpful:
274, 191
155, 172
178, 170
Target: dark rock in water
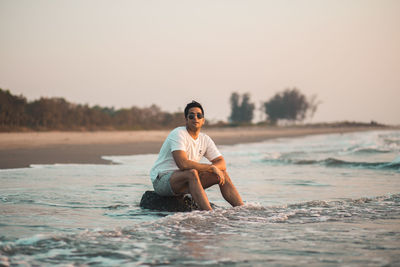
153, 201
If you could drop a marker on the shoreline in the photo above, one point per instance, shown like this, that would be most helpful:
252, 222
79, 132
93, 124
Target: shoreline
20, 150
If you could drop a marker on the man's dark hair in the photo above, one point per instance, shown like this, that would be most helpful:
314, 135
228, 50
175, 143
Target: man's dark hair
193, 104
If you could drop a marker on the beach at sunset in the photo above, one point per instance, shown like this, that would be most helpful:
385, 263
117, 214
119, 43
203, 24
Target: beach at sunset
21, 149
275, 123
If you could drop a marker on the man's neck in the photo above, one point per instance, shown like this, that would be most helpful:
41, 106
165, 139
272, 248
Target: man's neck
194, 133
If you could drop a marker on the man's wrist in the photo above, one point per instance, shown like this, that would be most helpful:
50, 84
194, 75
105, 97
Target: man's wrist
211, 169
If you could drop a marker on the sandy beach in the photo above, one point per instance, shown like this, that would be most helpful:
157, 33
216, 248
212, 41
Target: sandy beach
18, 150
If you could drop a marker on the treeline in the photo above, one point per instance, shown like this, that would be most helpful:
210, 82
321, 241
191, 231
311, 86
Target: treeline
16, 113
289, 105
45, 114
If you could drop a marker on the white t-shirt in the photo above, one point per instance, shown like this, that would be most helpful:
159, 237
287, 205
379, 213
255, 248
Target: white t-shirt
180, 139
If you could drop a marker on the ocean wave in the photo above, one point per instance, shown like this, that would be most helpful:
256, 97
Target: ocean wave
334, 162
392, 142
370, 151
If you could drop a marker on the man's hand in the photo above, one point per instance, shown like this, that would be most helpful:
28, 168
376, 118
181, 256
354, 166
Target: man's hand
219, 173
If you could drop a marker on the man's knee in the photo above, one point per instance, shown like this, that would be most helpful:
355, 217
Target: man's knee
193, 175
227, 178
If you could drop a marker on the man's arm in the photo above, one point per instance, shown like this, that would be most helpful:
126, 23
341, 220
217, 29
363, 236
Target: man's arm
219, 162
184, 163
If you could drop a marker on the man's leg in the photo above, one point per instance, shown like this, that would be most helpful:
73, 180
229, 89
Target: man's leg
189, 181
228, 190
230, 193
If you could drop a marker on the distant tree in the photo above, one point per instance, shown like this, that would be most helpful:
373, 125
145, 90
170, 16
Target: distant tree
235, 108
241, 108
12, 110
290, 105
313, 105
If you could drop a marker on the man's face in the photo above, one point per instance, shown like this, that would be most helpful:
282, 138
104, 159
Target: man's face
192, 120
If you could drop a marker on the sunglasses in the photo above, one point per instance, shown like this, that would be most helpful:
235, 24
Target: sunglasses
192, 115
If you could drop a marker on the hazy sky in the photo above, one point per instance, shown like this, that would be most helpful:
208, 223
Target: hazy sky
125, 53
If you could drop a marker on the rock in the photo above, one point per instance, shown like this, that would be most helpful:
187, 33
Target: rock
151, 200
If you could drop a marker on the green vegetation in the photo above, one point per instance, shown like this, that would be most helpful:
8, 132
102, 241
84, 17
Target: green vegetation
16, 114
241, 109
290, 105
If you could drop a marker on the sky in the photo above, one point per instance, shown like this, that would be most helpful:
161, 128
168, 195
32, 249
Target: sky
169, 52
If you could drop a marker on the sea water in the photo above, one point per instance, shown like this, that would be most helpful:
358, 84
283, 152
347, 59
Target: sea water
323, 200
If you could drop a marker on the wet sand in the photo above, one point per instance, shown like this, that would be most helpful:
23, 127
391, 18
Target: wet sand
19, 150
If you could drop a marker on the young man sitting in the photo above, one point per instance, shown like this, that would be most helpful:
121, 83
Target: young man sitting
178, 171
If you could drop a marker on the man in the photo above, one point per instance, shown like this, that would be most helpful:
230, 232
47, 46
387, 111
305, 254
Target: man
178, 171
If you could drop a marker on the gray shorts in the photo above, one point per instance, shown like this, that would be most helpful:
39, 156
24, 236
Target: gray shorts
162, 186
